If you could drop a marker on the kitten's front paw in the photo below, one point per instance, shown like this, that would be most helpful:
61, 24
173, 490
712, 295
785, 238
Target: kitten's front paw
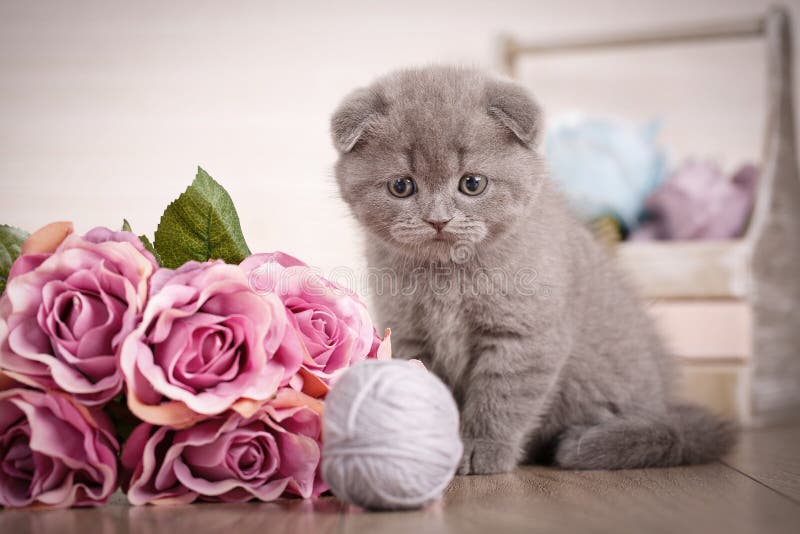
485, 457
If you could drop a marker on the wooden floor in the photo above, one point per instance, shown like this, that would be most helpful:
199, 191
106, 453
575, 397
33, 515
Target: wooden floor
754, 490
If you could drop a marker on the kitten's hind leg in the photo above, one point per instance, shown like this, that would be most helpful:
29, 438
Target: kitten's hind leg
685, 435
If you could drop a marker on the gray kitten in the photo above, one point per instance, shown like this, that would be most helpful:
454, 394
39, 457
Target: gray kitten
484, 275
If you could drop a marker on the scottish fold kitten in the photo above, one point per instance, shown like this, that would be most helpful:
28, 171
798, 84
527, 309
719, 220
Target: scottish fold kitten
484, 275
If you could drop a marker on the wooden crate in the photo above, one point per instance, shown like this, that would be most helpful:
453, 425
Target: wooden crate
746, 360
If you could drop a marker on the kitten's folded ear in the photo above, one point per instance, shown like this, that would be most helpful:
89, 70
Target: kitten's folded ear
354, 116
515, 109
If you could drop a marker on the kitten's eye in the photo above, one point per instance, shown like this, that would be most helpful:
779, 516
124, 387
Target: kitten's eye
472, 184
402, 187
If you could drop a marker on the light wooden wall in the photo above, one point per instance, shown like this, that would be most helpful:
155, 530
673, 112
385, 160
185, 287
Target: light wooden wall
106, 107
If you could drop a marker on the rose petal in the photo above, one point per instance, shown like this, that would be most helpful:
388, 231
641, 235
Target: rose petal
68, 451
384, 351
312, 384
174, 414
47, 238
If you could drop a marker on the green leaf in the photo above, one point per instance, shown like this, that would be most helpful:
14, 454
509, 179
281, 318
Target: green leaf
11, 240
150, 248
126, 227
200, 225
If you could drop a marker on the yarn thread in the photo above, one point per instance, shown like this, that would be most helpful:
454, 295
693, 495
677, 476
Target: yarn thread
390, 436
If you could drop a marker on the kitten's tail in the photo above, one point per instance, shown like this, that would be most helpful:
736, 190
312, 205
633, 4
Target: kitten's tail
685, 435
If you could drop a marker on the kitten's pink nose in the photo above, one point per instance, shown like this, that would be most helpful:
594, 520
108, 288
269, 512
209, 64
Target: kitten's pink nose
438, 224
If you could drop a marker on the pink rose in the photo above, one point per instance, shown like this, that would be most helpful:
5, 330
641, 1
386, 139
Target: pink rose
65, 314
331, 322
53, 453
206, 343
229, 457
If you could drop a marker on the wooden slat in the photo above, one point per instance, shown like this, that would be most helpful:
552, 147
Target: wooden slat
514, 49
771, 456
287, 515
707, 330
711, 498
720, 387
749, 28
687, 269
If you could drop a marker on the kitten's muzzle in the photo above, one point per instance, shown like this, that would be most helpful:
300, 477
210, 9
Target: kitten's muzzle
438, 224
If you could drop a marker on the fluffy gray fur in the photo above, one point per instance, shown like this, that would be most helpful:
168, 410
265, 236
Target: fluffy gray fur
548, 352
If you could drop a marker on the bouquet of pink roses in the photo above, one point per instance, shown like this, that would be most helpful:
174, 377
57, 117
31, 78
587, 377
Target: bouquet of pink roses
183, 369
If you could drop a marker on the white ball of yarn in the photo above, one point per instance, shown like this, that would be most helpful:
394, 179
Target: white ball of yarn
390, 436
